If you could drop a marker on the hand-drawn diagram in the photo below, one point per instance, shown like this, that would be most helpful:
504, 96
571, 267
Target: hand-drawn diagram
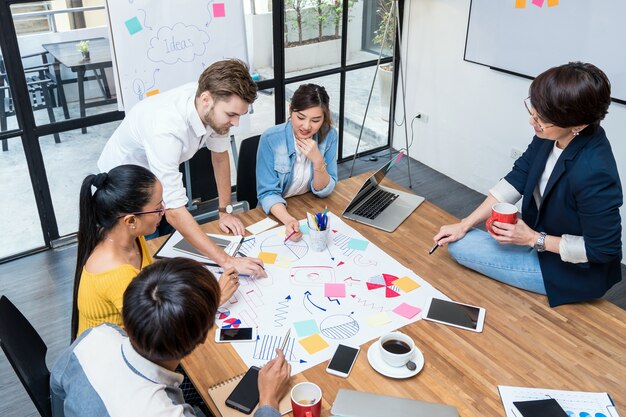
222, 314
180, 42
322, 301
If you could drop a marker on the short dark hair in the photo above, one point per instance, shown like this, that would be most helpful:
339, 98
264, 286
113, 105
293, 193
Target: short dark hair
572, 94
169, 308
313, 95
226, 78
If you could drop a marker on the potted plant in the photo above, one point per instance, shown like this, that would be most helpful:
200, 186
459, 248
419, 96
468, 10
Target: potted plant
384, 38
83, 48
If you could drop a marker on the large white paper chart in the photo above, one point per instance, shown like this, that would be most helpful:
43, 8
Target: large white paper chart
350, 293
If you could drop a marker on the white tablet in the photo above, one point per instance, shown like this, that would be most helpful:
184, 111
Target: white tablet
463, 316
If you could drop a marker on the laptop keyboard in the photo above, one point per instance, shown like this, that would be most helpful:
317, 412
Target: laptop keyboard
376, 204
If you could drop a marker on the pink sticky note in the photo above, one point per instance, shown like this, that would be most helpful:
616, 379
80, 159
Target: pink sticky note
406, 310
220, 11
538, 3
335, 290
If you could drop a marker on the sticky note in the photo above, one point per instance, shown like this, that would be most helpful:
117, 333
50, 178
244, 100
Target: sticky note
520, 4
133, 26
304, 228
406, 284
335, 290
306, 328
313, 343
379, 319
283, 262
219, 10
152, 92
358, 244
538, 3
552, 3
261, 226
407, 310
268, 257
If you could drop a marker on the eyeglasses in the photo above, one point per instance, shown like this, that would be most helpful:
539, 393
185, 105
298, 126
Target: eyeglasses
138, 213
536, 119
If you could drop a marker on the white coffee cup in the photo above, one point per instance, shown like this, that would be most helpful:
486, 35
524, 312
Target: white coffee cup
396, 349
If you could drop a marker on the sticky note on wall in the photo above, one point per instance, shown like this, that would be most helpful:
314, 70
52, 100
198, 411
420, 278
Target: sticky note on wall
520, 4
552, 3
219, 10
133, 26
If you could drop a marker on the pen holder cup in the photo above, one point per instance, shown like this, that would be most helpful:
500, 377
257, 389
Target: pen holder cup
319, 238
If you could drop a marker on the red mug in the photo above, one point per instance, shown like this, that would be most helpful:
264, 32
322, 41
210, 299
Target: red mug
502, 212
306, 400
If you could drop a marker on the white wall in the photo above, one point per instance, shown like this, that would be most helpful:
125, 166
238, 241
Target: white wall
475, 114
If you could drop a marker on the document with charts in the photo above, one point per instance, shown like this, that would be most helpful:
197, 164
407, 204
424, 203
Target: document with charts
350, 293
574, 403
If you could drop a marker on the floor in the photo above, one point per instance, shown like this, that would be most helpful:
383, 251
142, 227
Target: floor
41, 285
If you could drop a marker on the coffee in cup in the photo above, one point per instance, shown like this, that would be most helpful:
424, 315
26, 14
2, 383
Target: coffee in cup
396, 349
501, 212
306, 400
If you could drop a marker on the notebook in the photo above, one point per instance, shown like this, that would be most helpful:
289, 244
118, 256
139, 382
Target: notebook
363, 404
382, 207
221, 391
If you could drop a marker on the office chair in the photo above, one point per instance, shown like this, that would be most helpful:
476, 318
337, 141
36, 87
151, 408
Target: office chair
246, 171
40, 84
27, 354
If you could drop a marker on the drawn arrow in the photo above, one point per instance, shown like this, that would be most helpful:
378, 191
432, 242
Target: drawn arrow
330, 253
302, 361
307, 295
334, 299
154, 78
352, 279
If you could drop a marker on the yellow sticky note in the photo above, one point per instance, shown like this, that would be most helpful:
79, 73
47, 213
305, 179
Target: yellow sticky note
313, 343
520, 4
552, 3
406, 284
268, 257
379, 319
152, 92
283, 262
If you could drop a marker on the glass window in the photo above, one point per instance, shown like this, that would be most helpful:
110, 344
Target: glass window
20, 228
259, 29
366, 28
67, 164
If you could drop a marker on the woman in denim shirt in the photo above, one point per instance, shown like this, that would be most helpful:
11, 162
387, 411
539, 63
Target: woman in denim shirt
297, 156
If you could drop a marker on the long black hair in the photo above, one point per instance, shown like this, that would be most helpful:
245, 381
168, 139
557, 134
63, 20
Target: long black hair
104, 197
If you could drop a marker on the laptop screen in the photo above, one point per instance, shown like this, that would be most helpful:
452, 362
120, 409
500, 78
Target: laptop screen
373, 181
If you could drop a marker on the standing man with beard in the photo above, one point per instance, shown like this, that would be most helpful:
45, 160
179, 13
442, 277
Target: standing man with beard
165, 130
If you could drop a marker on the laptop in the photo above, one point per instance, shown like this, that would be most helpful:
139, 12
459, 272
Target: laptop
363, 404
382, 207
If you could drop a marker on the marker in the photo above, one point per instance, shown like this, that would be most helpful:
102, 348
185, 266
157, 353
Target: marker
282, 345
289, 237
433, 249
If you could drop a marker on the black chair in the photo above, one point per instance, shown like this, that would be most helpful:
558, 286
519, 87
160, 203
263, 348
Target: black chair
40, 83
27, 354
201, 181
246, 171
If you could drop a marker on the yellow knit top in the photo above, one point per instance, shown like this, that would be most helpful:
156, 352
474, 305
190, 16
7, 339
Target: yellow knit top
100, 296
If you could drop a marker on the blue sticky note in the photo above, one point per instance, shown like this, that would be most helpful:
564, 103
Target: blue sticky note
358, 244
306, 328
133, 25
304, 228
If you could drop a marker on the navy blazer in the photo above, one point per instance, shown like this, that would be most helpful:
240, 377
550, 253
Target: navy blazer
582, 197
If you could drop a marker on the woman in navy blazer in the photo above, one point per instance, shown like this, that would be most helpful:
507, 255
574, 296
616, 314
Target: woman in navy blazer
567, 243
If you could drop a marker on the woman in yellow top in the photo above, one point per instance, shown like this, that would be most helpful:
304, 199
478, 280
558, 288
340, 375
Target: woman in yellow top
117, 209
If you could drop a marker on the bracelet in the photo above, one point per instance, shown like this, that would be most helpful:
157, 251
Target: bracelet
322, 169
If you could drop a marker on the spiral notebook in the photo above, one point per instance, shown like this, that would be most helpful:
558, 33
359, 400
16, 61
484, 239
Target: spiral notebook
221, 391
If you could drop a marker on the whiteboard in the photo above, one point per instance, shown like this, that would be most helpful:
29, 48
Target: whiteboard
158, 45
528, 40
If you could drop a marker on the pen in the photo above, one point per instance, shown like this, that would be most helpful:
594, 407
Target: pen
433, 249
289, 237
282, 345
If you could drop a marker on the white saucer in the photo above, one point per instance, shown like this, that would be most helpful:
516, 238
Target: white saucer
375, 359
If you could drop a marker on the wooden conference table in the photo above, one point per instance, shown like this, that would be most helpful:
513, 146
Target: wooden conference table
579, 347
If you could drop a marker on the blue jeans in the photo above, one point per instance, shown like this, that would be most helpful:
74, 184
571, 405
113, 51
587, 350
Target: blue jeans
511, 264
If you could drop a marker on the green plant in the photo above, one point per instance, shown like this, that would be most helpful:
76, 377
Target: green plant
385, 12
83, 46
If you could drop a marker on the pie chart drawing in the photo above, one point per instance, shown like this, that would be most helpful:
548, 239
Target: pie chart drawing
289, 250
384, 281
231, 323
222, 313
339, 326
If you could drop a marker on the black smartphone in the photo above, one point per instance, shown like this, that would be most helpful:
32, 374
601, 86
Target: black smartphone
343, 360
245, 396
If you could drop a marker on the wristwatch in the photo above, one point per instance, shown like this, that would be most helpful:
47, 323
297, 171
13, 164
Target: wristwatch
540, 244
228, 209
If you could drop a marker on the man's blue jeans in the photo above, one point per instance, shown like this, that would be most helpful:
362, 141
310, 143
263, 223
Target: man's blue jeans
511, 264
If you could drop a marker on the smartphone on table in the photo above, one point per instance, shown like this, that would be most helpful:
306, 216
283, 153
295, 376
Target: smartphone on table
239, 334
452, 313
245, 396
342, 361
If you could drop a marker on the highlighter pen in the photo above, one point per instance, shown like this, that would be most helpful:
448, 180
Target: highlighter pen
433, 249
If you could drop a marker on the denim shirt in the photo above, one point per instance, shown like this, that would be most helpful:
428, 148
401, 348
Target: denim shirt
276, 157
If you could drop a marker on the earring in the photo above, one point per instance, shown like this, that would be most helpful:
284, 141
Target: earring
132, 227
576, 132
